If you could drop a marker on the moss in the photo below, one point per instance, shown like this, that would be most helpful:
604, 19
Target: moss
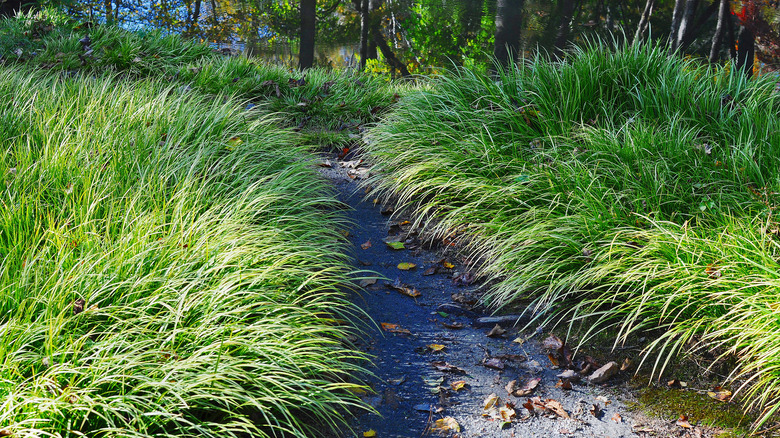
670, 404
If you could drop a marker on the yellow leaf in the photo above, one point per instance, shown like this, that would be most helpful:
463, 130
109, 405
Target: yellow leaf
406, 266
458, 385
436, 347
448, 265
445, 425
491, 401
369, 434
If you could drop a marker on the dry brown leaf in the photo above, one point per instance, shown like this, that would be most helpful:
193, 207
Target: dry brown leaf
494, 363
627, 363
367, 282
595, 410
453, 325
527, 389
683, 422
496, 332
444, 366
556, 407
394, 328
430, 271
366, 245
78, 306
563, 384
617, 418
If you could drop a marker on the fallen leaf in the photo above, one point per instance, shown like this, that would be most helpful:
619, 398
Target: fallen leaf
491, 401
617, 418
444, 366
448, 265
366, 245
405, 289
5, 432
602, 399
78, 306
627, 363
327, 164
527, 389
453, 325
436, 347
406, 266
595, 410
430, 271
556, 407
552, 342
722, 395
395, 245
367, 282
458, 385
394, 328
506, 413
369, 434
683, 422
496, 332
564, 384
494, 363
445, 425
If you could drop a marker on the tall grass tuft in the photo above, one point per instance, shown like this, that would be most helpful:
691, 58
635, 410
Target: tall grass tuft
169, 266
625, 186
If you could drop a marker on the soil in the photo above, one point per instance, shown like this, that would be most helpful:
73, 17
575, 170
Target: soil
420, 358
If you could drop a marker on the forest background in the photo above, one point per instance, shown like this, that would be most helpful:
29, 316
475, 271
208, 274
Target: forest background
403, 37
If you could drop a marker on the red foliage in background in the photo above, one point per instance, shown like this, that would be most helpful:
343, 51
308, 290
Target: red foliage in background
753, 15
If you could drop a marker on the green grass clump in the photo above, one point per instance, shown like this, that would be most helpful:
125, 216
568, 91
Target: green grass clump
170, 266
625, 185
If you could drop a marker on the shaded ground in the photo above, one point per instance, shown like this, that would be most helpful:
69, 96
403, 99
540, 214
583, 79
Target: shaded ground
412, 387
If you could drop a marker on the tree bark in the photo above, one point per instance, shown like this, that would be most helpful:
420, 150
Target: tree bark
109, 11
564, 25
507, 38
686, 23
676, 15
644, 21
365, 25
308, 29
390, 57
723, 15
746, 51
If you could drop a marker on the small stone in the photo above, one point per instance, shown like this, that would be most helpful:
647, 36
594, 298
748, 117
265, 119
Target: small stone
603, 374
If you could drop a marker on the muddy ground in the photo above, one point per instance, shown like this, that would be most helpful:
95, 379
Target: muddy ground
438, 361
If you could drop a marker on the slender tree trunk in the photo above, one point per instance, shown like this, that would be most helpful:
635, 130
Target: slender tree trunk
746, 51
644, 21
564, 25
109, 11
676, 15
686, 24
116, 10
365, 26
731, 41
507, 38
723, 15
387, 52
308, 29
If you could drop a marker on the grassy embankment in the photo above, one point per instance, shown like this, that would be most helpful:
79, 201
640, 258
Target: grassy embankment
171, 264
630, 189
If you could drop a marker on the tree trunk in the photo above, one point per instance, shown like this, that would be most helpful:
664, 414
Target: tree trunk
686, 23
644, 21
746, 51
308, 29
723, 15
365, 25
676, 15
109, 11
562, 36
507, 38
731, 40
390, 57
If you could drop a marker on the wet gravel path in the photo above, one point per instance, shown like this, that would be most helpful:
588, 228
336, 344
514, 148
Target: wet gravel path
415, 385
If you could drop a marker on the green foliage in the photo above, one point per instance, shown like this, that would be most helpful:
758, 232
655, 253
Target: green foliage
622, 184
171, 266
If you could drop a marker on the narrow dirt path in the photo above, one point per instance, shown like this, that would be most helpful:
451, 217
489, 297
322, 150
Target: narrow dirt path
434, 359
